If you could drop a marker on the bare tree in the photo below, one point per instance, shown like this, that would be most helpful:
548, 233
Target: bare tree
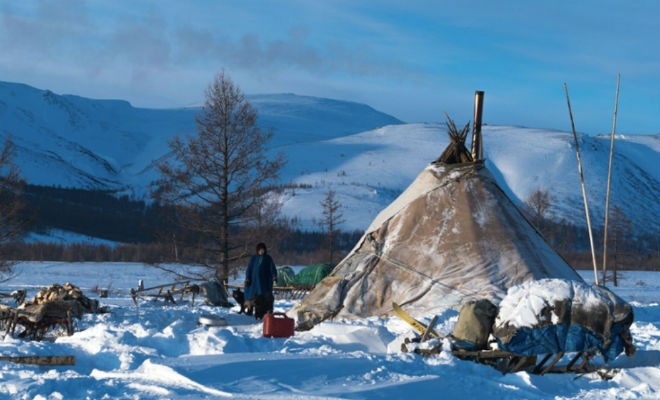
332, 218
621, 228
217, 178
538, 206
11, 189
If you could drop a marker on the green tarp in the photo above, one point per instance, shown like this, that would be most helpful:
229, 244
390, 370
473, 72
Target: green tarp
285, 276
311, 275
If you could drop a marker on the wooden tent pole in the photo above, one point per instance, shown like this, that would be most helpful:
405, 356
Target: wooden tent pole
584, 190
609, 177
477, 146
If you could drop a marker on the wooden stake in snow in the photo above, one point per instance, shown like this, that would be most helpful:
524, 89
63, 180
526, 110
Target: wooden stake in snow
609, 178
584, 190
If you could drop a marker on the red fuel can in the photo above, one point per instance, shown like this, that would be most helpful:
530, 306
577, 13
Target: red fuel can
278, 325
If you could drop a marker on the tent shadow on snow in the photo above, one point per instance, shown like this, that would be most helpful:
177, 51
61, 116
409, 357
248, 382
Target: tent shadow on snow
452, 236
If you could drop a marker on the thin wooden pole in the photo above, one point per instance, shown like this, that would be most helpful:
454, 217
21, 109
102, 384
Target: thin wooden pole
584, 190
609, 178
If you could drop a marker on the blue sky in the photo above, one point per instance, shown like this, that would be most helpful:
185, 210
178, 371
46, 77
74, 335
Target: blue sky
413, 59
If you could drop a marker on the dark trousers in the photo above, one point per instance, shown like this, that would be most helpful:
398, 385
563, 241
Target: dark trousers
263, 304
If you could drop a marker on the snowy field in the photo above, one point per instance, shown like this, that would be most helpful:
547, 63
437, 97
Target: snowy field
159, 352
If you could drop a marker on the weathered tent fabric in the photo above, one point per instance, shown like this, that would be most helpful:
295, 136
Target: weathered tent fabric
554, 315
452, 236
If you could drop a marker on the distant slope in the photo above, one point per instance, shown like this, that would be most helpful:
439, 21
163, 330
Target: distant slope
304, 119
76, 142
369, 170
532, 158
72, 141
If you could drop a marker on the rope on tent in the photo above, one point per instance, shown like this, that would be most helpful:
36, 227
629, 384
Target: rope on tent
432, 189
433, 281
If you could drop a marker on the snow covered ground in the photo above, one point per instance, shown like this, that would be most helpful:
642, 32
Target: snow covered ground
156, 351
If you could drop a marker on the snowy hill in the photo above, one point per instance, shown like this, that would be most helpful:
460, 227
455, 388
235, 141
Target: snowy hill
366, 156
370, 169
71, 141
76, 142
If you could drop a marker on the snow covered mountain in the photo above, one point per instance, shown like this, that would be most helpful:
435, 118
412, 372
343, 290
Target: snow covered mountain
370, 169
365, 156
72, 141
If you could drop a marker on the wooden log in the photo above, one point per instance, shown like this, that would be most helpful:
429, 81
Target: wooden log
519, 363
573, 361
540, 365
552, 363
429, 329
40, 360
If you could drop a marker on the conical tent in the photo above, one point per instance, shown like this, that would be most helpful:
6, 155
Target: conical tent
452, 236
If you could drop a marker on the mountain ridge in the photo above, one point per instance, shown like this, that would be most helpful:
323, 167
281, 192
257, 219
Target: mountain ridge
366, 156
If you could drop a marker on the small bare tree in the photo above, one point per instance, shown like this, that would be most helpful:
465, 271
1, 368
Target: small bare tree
217, 178
11, 189
537, 206
332, 218
621, 228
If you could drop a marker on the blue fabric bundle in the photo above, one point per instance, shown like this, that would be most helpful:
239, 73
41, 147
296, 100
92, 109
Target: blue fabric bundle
554, 315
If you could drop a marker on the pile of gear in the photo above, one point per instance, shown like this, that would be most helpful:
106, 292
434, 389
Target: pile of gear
544, 326
52, 309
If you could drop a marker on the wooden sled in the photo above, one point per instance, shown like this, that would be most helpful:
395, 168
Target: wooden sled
166, 292
37, 321
290, 292
503, 361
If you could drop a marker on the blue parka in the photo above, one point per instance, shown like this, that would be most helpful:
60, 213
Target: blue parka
260, 273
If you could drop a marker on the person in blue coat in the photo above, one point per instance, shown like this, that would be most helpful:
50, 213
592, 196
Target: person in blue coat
259, 278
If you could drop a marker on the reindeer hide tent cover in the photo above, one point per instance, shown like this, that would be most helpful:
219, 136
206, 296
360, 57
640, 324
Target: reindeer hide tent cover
452, 236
